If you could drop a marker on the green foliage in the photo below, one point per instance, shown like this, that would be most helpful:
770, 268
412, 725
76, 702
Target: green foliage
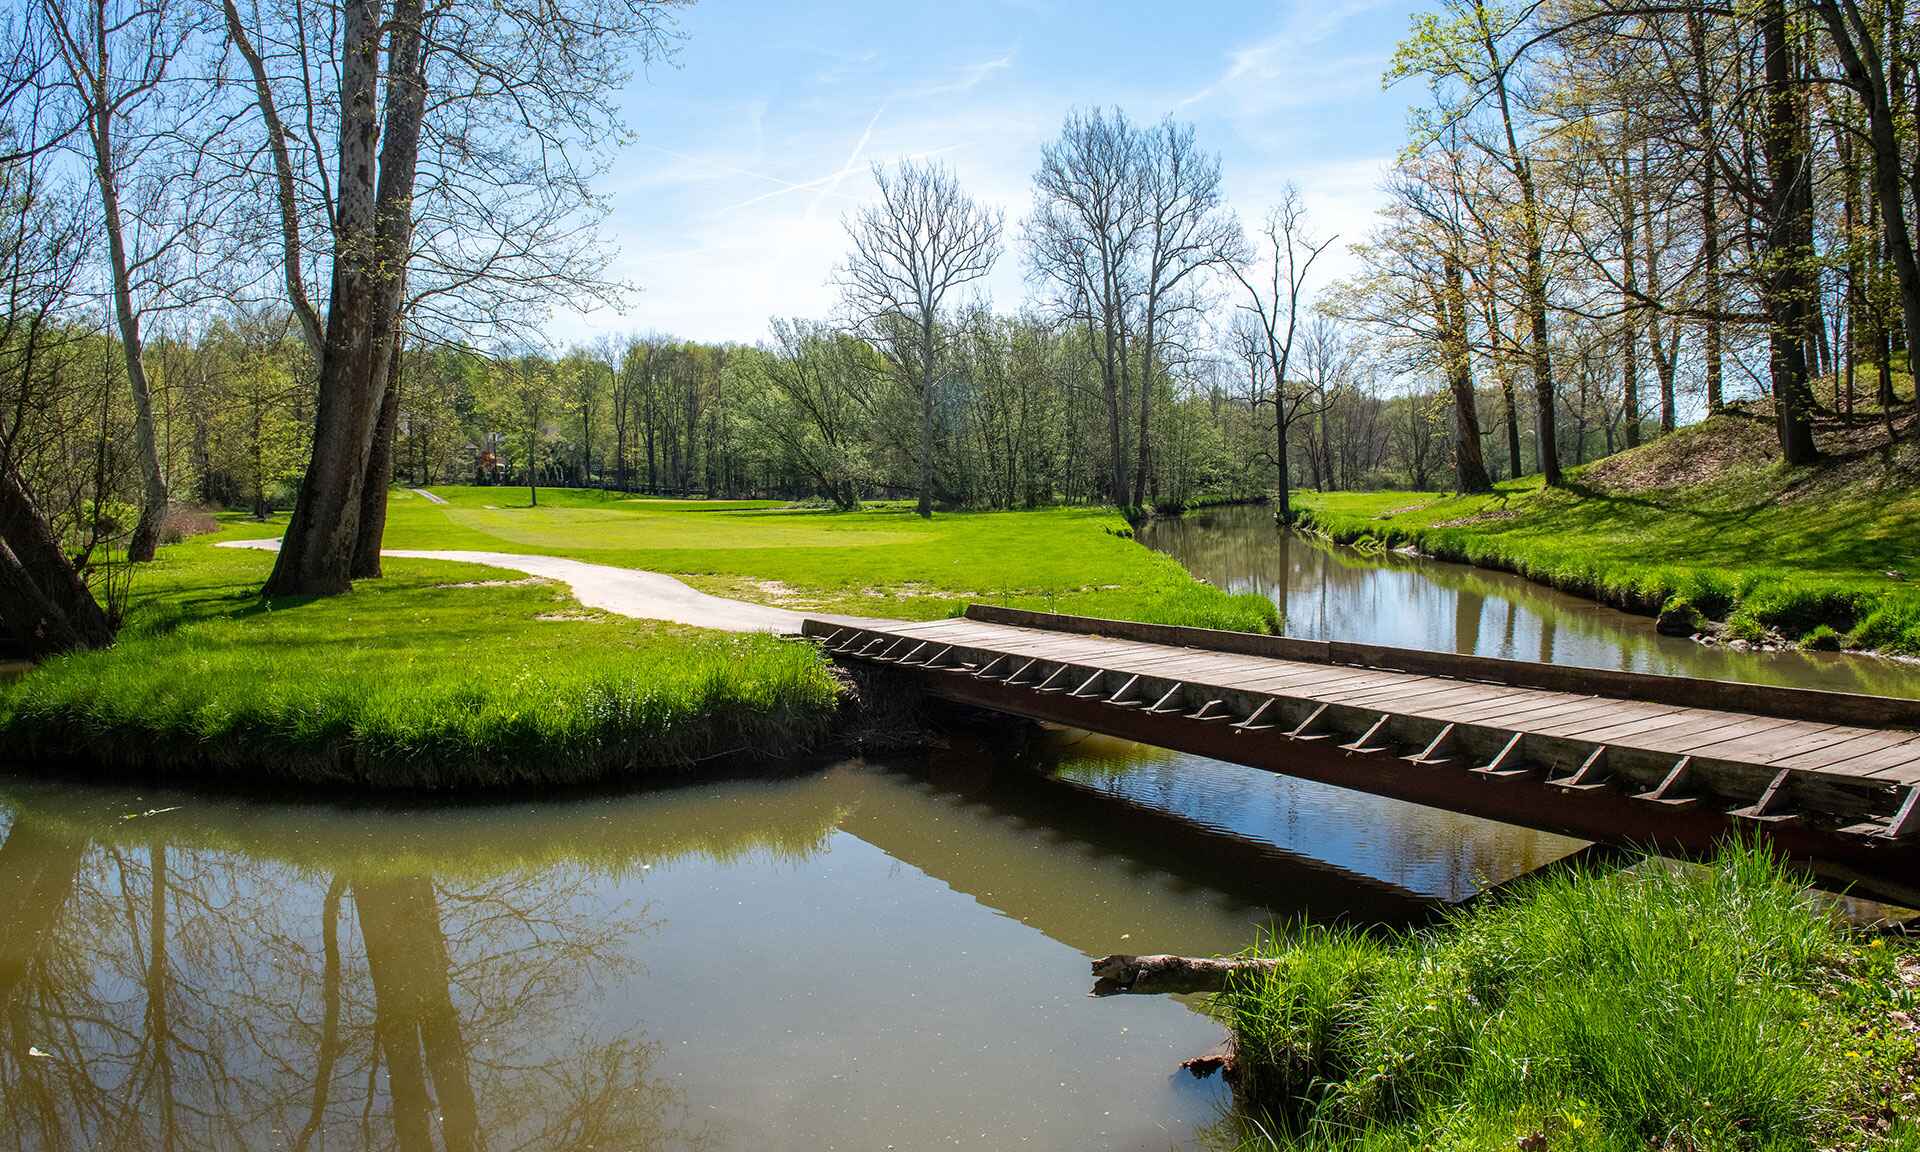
1716, 1007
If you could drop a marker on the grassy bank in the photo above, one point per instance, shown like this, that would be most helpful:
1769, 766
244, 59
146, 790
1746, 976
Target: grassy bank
1703, 526
881, 561
446, 675
1712, 1008
438, 675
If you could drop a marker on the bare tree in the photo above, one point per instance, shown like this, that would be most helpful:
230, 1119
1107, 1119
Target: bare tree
115, 57
475, 211
1083, 238
1287, 250
922, 241
1189, 231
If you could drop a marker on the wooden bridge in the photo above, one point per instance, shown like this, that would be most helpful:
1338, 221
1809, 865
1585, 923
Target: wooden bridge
1668, 763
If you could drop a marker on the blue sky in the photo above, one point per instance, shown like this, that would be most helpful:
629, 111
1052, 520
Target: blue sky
726, 209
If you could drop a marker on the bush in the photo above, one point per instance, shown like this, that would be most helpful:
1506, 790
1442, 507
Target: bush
184, 520
1821, 639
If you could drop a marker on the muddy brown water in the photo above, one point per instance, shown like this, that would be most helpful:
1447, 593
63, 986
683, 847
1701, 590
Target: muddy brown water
865, 955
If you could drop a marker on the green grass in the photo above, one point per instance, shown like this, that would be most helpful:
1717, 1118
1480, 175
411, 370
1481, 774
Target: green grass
1760, 547
409, 682
1718, 1007
424, 680
881, 561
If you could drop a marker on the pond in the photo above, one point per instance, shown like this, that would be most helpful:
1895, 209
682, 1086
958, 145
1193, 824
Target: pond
1328, 592
864, 954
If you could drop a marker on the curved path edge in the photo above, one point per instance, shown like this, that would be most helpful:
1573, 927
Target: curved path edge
623, 591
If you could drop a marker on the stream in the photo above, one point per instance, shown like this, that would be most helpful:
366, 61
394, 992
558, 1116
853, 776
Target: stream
860, 953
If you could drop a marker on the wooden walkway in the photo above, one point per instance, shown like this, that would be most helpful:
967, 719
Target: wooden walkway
1664, 762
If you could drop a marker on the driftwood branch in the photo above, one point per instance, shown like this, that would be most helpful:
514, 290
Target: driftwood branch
1165, 975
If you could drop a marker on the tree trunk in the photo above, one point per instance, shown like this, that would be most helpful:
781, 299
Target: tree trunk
1507, 391
373, 493
373, 230
1709, 215
1142, 460
43, 600
1789, 241
1629, 307
1470, 467
1539, 343
153, 482
925, 507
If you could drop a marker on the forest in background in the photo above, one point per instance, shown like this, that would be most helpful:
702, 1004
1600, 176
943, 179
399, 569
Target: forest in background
1608, 220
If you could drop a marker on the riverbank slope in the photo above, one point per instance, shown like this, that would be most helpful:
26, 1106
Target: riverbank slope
1703, 527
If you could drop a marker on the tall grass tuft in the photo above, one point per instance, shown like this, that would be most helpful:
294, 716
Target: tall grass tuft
1660, 1006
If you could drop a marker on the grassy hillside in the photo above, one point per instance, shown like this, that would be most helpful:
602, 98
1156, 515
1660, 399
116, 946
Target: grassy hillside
1704, 525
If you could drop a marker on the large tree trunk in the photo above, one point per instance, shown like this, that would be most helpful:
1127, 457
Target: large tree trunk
925, 508
1116, 438
1629, 308
43, 600
373, 235
1511, 415
1539, 343
1789, 241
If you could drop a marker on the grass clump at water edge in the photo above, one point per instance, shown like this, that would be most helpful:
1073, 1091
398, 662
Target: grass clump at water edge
1718, 1007
437, 675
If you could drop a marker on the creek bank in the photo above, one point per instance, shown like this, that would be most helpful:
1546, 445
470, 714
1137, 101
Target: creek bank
1592, 1007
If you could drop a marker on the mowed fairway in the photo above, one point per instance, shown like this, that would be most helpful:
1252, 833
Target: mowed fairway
881, 561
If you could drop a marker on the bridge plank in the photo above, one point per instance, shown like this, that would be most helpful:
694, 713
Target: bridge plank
1766, 747
1610, 714
1836, 756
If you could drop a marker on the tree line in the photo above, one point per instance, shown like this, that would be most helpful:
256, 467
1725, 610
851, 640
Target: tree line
281, 255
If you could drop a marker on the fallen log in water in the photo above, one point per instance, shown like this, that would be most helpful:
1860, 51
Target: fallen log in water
1163, 975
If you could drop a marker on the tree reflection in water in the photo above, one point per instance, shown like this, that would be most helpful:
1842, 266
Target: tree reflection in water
154, 996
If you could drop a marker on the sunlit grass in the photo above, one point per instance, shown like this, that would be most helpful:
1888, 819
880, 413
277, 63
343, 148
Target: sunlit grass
454, 675
880, 561
410, 681
1722, 1007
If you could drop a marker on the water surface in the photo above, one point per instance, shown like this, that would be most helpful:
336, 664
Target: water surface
868, 955
1334, 593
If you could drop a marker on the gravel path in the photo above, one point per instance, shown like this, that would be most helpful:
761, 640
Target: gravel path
622, 591
431, 498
